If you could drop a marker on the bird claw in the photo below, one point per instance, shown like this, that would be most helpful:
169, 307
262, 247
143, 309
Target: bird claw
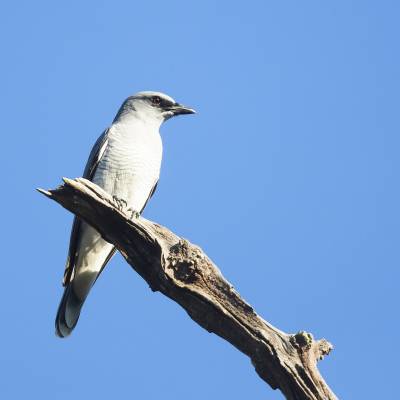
133, 213
122, 205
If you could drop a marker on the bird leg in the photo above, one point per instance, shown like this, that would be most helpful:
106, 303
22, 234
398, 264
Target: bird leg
122, 205
133, 213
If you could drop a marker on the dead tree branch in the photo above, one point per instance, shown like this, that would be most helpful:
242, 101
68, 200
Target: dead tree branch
181, 271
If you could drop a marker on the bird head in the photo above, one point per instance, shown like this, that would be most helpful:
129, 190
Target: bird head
153, 105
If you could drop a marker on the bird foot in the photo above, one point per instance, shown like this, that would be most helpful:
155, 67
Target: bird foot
133, 213
122, 205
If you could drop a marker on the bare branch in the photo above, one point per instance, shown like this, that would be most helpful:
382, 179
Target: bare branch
184, 273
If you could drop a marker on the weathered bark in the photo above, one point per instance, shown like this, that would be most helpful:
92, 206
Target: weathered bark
181, 271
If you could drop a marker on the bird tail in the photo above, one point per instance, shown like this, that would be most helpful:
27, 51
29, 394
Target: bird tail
68, 311
75, 293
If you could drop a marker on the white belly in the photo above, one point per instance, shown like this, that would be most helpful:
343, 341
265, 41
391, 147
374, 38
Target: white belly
130, 166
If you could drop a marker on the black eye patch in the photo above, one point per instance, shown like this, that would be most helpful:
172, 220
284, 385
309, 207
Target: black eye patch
158, 101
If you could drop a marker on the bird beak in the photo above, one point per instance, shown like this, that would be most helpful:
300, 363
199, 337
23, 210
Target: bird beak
179, 109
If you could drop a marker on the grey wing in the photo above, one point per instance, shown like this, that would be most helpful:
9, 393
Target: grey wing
150, 196
90, 169
95, 155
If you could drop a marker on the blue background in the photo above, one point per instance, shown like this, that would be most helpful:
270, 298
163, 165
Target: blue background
287, 177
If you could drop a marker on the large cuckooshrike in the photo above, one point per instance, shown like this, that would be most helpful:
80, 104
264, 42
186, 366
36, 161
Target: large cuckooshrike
125, 161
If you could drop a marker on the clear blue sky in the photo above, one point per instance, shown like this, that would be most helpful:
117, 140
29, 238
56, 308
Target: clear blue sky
287, 177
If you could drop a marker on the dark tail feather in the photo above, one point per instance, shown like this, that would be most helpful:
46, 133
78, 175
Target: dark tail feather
74, 296
68, 312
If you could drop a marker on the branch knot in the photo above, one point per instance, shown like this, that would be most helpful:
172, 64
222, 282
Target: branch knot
302, 340
183, 260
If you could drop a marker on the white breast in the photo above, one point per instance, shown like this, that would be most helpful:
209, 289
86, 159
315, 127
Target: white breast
130, 165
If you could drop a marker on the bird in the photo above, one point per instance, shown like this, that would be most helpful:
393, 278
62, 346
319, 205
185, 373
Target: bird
125, 161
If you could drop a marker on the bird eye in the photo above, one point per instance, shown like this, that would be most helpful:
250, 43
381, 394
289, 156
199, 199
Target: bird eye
156, 101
